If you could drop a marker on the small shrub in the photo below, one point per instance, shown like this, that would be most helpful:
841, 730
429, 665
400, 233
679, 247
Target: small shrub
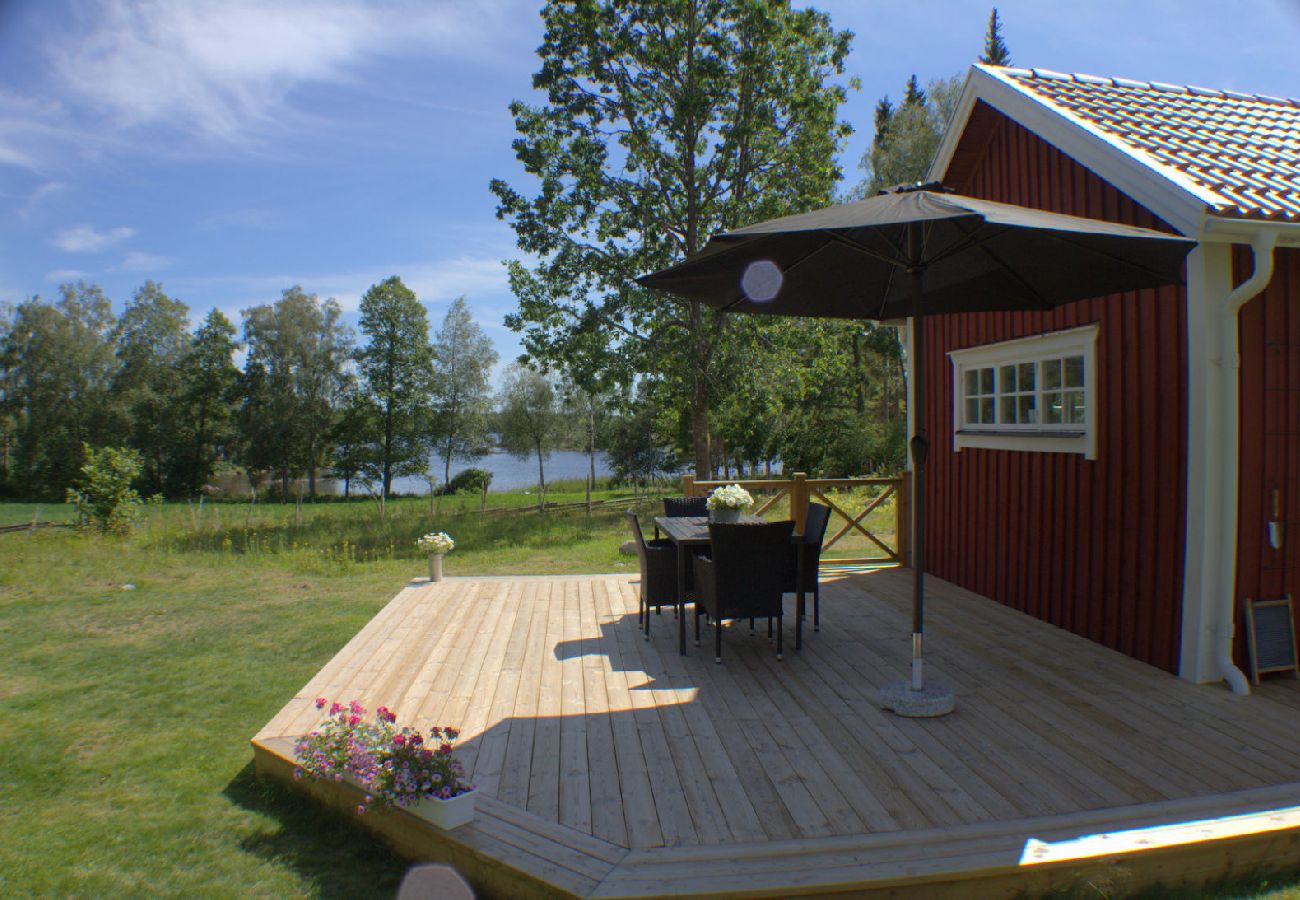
470, 481
103, 496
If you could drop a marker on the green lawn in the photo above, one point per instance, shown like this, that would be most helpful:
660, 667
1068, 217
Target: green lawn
127, 712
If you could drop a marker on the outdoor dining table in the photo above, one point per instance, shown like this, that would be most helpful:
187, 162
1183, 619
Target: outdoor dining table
688, 533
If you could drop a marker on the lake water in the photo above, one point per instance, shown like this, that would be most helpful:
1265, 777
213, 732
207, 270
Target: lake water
509, 473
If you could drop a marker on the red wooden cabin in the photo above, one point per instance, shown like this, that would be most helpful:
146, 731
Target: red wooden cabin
1107, 466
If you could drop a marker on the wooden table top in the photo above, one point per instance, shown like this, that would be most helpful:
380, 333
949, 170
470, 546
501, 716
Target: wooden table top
694, 529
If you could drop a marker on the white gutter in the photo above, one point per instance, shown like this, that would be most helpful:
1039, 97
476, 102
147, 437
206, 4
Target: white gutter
1262, 245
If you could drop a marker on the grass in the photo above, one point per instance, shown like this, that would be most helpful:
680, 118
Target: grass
127, 711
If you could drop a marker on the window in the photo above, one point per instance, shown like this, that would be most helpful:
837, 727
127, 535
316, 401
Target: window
1034, 393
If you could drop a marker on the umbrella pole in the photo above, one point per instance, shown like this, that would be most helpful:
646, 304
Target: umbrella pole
915, 698
919, 448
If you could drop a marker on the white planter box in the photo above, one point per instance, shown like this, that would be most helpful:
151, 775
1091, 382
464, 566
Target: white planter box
446, 814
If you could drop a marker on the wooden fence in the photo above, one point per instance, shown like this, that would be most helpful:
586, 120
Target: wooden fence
800, 489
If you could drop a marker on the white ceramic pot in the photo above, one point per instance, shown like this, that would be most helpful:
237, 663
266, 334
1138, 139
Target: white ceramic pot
724, 515
435, 566
446, 814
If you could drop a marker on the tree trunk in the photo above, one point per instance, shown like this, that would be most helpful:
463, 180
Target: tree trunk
446, 464
198, 447
541, 480
388, 447
700, 430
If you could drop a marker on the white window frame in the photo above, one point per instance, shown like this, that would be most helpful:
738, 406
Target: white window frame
1040, 438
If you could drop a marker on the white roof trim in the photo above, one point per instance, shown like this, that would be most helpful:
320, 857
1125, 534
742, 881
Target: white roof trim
1172, 196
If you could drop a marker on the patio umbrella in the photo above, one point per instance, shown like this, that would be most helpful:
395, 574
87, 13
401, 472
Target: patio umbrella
916, 251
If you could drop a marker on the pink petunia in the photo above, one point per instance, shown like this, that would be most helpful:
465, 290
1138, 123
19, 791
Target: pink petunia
354, 720
320, 702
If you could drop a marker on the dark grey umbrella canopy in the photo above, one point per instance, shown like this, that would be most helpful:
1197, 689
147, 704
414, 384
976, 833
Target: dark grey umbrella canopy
850, 261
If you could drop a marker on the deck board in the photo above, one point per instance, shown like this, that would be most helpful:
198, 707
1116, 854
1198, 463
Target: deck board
611, 759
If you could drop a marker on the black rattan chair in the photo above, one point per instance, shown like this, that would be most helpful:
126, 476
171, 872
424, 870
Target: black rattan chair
686, 506
809, 546
658, 574
744, 578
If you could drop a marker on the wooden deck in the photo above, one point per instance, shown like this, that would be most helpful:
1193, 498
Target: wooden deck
612, 766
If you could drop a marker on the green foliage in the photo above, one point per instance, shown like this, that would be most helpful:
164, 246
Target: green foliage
462, 396
395, 367
995, 48
153, 340
103, 496
664, 122
637, 446
530, 420
209, 395
468, 481
293, 380
905, 143
59, 364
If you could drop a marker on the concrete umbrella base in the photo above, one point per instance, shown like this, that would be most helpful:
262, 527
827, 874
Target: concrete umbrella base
932, 700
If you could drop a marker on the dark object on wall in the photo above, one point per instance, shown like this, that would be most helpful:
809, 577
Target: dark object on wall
1270, 629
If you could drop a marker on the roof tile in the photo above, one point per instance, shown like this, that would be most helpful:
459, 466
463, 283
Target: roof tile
1243, 149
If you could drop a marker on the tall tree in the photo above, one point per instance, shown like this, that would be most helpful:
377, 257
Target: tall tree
60, 368
995, 48
904, 150
463, 360
665, 121
293, 377
210, 379
395, 369
913, 94
153, 338
530, 420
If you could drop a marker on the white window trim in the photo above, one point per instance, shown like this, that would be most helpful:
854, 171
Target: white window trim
1072, 342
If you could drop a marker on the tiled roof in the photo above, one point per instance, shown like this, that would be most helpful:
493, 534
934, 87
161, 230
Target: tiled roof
1241, 150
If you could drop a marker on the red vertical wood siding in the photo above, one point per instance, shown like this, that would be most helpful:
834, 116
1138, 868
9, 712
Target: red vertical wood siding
1270, 433
1094, 546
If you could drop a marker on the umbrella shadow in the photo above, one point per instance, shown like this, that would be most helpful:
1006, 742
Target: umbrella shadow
622, 643
331, 851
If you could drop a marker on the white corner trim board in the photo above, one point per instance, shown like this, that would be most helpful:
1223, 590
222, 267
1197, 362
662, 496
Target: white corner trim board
1002, 428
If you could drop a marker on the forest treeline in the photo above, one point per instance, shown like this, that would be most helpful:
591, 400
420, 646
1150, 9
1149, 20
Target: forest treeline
630, 168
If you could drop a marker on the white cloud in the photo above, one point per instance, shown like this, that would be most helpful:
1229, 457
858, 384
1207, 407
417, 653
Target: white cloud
137, 261
37, 197
88, 239
61, 276
221, 69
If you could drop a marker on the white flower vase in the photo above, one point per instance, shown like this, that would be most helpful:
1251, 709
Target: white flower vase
724, 515
446, 814
435, 567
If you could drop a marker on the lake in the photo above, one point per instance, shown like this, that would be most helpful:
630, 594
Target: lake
509, 473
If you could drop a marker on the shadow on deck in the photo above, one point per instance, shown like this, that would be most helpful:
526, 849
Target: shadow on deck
611, 766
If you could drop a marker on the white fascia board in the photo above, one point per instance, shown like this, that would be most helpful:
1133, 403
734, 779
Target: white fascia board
1242, 231
1165, 191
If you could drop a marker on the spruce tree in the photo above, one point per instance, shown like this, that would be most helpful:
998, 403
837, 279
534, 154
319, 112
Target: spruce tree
884, 112
995, 49
914, 95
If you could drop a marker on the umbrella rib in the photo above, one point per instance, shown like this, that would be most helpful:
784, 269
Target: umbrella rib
1011, 272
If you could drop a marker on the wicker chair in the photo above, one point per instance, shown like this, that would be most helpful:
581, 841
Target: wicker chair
809, 546
686, 506
658, 561
744, 578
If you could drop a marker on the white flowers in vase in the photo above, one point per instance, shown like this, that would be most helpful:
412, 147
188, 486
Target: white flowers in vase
733, 496
436, 542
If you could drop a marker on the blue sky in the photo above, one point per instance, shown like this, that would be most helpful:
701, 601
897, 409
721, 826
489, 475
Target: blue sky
232, 149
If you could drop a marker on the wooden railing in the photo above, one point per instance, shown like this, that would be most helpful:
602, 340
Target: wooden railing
800, 489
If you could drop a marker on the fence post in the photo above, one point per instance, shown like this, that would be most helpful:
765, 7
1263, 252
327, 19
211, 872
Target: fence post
688, 485
799, 501
903, 519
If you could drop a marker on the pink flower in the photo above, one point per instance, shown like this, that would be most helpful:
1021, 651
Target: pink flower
336, 708
356, 707
320, 702
427, 753
354, 720
399, 741
451, 733
361, 809
416, 740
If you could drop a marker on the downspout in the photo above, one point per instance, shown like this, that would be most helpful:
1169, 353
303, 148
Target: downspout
1262, 245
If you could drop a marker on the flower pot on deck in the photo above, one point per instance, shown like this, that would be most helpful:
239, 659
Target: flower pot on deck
724, 515
435, 566
446, 814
